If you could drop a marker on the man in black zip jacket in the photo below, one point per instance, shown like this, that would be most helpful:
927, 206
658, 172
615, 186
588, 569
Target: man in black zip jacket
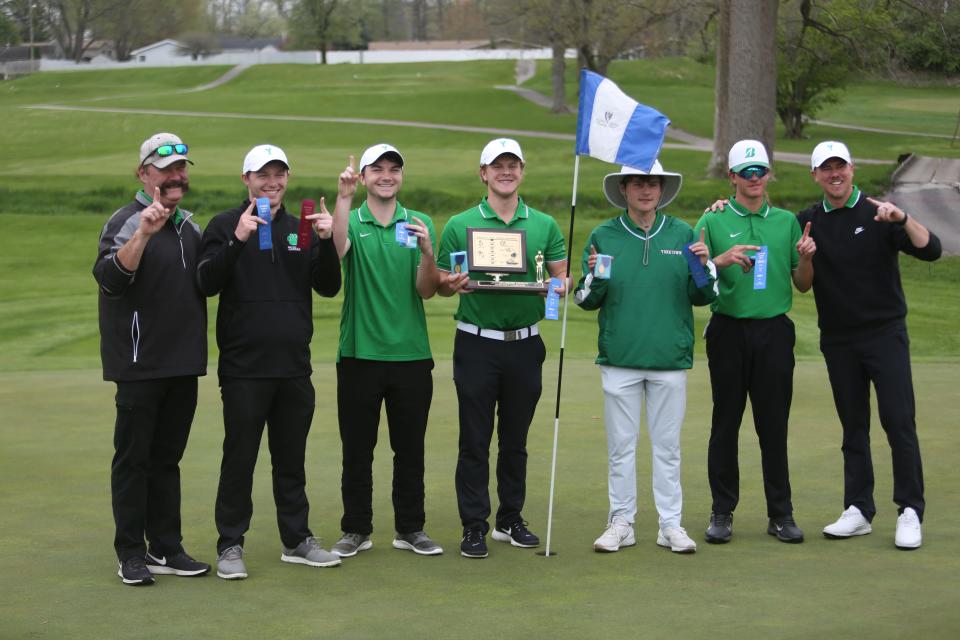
264, 327
153, 345
861, 311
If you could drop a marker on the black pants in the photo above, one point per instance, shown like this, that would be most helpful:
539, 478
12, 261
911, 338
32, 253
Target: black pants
286, 406
505, 377
150, 435
750, 357
406, 388
852, 365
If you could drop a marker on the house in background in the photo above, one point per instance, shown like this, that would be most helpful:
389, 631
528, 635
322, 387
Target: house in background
159, 52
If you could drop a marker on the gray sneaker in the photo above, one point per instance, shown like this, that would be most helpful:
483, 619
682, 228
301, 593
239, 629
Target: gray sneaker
418, 542
350, 544
230, 564
310, 552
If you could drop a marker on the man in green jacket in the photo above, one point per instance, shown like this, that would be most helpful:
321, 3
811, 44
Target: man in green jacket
644, 290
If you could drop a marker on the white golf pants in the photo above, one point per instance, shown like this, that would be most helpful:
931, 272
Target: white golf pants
665, 392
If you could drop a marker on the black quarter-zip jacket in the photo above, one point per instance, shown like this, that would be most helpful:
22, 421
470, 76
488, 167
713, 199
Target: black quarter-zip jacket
153, 321
856, 274
265, 312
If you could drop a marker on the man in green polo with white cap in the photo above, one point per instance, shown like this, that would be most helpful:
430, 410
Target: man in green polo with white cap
498, 353
384, 355
759, 250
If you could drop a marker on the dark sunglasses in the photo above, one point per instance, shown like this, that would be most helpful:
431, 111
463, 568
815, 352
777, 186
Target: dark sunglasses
751, 172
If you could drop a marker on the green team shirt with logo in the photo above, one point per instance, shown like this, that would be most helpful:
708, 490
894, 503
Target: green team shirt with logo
779, 230
503, 311
646, 306
382, 316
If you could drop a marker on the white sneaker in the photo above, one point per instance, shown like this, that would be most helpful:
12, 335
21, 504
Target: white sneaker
617, 534
850, 523
676, 539
908, 530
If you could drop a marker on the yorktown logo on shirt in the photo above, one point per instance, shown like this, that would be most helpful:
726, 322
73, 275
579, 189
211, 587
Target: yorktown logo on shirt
671, 252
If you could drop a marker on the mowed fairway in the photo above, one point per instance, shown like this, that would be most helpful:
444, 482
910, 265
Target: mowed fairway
57, 567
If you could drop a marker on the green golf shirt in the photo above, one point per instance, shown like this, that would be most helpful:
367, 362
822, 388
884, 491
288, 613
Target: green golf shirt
503, 311
382, 316
779, 230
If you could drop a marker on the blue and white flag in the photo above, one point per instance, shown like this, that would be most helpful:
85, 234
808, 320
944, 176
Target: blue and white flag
614, 127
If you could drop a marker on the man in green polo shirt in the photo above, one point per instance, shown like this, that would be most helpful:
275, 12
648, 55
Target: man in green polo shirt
498, 354
759, 250
384, 355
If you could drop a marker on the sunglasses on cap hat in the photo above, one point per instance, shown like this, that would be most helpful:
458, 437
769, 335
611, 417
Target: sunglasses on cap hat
749, 173
165, 150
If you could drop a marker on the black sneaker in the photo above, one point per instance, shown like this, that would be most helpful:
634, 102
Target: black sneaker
473, 545
133, 571
720, 529
180, 564
785, 529
517, 535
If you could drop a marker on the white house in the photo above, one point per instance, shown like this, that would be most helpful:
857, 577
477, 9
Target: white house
165, 51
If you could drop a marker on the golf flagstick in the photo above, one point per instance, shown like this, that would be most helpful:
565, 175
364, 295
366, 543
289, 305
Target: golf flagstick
563, 341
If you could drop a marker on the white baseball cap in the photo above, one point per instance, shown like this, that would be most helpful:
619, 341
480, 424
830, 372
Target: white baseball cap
829, 149
150, 146
376, 152
498, 147
671, 184
261, 155
747, 153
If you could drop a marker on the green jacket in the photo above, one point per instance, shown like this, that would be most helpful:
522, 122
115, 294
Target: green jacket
646, 317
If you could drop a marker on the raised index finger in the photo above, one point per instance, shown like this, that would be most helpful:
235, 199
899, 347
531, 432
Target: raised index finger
352, 163
702, 230
806, 230
874, 202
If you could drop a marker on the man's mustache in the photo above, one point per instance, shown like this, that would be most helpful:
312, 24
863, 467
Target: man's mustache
183, 185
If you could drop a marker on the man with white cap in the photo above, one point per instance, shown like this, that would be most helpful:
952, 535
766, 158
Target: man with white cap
861, 312
153, 345
758, 250
645, 296
498, 353
384, 354
264, 326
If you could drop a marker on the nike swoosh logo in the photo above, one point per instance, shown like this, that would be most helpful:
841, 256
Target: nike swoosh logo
858, 231
364, 235
734, 235
160, 561
779, 527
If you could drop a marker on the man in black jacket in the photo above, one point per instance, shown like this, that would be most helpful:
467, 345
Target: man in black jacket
153, 345
862, 312
264, 327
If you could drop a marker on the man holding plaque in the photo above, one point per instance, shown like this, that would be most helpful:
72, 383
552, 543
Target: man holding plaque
264, 326
498, 353
153, 345
758, 250
861, 311
636, 274
384, 355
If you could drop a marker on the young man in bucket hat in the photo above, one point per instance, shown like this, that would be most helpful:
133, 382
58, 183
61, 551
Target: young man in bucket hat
498, 353
861, 311
644, 290
153, 344
264, 327
384, 354
759, 250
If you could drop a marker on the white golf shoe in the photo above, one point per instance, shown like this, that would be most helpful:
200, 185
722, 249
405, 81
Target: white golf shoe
618, 534
850, 523
676, 539
908, 530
